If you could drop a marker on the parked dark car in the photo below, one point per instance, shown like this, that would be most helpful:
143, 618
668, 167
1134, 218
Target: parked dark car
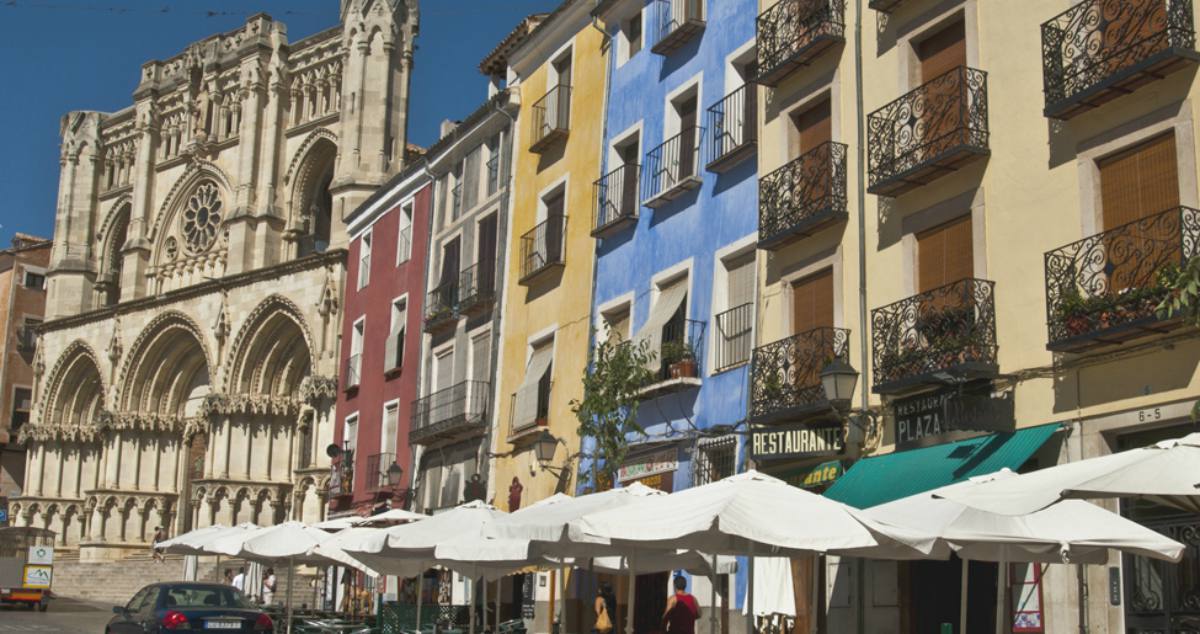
188, 607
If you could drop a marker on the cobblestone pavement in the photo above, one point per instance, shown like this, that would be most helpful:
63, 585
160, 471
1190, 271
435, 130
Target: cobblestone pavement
65, 616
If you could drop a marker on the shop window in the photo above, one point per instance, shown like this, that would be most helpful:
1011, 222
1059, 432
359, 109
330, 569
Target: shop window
715, 460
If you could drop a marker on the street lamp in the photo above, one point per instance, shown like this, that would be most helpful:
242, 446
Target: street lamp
838, 380
394, 473
545, 446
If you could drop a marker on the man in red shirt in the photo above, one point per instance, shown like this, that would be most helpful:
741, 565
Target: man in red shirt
682, 610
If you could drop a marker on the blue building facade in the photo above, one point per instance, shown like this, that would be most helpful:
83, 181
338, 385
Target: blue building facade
675, 220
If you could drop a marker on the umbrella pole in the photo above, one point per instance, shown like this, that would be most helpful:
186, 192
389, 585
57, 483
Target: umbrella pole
485, 602
217, 572
420, 592
629, 596
471, 608
291, 569
712, 597
750, 594
562, 602
962, 601
1001, 604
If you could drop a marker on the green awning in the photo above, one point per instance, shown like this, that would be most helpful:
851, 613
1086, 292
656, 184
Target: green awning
882, 479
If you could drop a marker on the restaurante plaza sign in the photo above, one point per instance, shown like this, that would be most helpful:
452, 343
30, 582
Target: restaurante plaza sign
794, 441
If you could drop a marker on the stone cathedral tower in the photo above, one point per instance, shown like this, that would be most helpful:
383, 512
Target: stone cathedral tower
187, 367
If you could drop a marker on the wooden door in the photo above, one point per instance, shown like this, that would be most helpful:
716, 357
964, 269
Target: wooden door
813, 132
944, 92
486, 269
1136, 184
812, 308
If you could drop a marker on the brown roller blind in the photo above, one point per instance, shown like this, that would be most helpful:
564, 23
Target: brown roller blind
945, 254
1139, 182
943, 51
813, 127
812, 302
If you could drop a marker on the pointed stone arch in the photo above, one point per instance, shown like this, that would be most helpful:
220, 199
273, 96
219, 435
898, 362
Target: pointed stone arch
76, 389
272, 352
168, 371
112, 236
308, 181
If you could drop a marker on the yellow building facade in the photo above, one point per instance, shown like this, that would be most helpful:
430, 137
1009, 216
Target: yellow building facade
973, 210
559, 71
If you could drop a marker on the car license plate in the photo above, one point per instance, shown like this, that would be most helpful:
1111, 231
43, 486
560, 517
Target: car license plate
222, 625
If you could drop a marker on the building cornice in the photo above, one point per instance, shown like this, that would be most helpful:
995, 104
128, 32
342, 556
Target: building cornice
567, 21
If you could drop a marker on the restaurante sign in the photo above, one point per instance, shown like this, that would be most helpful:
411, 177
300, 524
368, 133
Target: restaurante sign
794, 441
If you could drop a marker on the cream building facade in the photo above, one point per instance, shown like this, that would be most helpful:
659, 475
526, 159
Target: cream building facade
186, 373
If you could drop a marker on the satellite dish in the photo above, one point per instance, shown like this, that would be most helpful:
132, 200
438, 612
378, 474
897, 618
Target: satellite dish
333, 451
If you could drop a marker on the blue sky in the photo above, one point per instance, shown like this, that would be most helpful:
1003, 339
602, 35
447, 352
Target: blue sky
63, 55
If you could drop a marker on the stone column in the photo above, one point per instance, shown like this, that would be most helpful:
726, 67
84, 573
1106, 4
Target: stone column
135, 253
228, 425
243, 254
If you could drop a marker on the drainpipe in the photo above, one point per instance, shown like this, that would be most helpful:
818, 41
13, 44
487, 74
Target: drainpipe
861, 590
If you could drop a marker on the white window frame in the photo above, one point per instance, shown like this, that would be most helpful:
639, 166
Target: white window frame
395, 442
404, 222
36, 270
396, 301
623, 41
720, 294
364, 259
624, 302
358, 336
350, 440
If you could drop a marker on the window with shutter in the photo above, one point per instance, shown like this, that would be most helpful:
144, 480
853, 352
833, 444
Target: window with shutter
941, 53
813, 127
1138, 183
394, 354
471, 179
481, 357
812, 302
387, 440
945, 254
486, 256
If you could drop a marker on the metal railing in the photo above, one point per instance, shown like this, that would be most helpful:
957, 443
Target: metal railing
441, 303
931, 123
935, 331
676, 21
341, 474
476, 285
788, 33
456, 200
682, 344
353, 374
465, 403
542, 246
785, 375
1098, 41
493, 174
732, 122
803, 193
1119, 277
551, 115
671, 163
616, 196
377, 467
734, 329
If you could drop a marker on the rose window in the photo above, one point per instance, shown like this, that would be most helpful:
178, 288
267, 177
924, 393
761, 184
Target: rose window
202, 218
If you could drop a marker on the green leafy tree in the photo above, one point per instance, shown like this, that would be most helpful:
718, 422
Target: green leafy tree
608, 411
1183, 301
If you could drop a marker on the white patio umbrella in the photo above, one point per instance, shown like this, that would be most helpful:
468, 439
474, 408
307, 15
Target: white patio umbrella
192, 543
394, 515
341, 523
1167, 472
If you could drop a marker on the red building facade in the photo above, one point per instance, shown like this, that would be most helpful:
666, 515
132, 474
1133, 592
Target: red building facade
381, 345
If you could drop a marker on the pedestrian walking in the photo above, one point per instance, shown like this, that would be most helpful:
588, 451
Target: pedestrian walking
604, 606
268, 587
239, 580
229, 576
682, 610
159, 536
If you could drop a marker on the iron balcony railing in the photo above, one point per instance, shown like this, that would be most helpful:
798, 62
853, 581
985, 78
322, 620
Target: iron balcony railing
733, 130
785, 376
793, 33
672, 167
1101, 49
341, 474
542, 246
493, 174
802, 196
1106, 288
932, 130
616, 200
457, 410
734, 329
476, 286
353, 372
678, 21
681, 353
948, 331
551, 117
440, 305
377, 467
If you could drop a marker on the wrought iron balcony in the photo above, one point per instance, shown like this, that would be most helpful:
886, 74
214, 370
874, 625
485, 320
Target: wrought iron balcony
1105, 289
616, 201
734, 328
542, 248
353, 372
680, 358
476, 288
803, 196
678, 22
933, 130
1099, 50
734, 133
551, 118
440, 307
672, 168
377, 467
793, 33
454, 413
785, 376
948, 333
341, 474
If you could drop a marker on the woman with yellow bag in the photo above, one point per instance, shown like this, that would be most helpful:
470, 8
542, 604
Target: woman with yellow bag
604, 605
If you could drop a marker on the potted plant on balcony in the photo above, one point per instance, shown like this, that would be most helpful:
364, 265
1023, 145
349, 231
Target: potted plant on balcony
680, 358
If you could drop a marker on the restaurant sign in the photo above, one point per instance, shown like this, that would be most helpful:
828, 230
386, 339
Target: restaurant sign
794, 441
662, 461
927, 416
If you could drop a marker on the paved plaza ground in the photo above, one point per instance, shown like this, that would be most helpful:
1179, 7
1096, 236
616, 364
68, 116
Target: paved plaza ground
65, 616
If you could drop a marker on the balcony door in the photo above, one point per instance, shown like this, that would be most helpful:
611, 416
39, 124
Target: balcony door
686, 108
485, 269
944, 111
945, 254
1136, 184
812, 308
628, 152
813, 183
